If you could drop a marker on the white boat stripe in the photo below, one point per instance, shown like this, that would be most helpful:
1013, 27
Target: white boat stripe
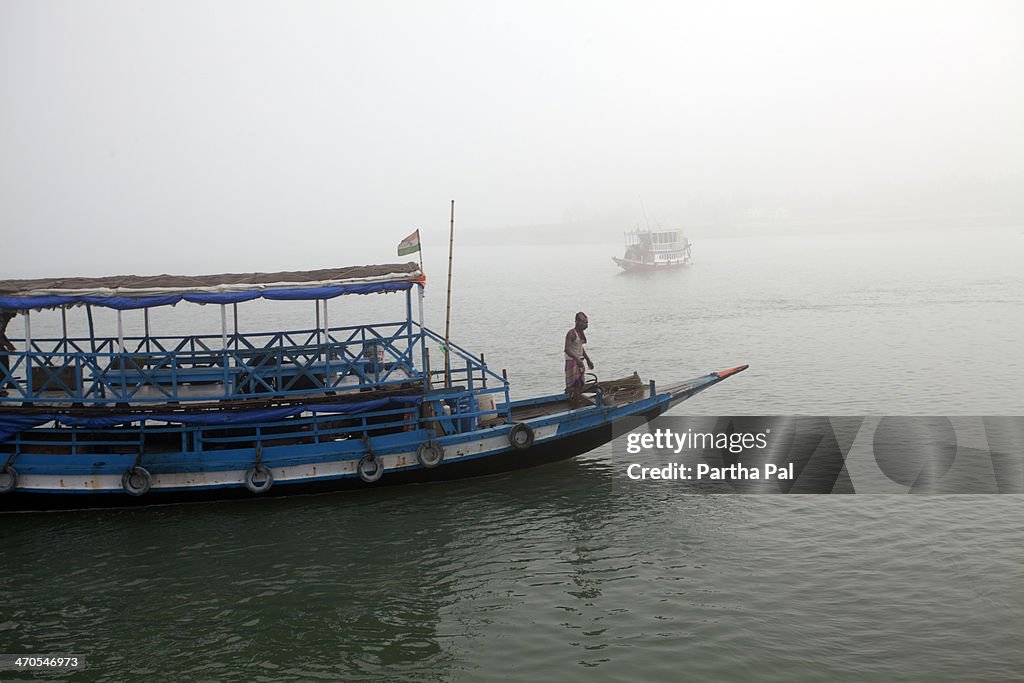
321, 470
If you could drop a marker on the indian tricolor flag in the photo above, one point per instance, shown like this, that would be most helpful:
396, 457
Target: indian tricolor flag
410, 244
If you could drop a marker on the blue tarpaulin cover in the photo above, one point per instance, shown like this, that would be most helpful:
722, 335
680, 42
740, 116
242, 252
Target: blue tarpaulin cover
13, 424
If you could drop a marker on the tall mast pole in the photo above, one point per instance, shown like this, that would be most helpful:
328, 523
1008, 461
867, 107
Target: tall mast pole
448, 307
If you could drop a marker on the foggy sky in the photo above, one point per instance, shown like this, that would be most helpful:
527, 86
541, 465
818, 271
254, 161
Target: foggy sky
224, 136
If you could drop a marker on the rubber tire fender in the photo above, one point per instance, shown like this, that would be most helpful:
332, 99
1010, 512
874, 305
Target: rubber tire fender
521, 436
129, 483
369, 476
430, 454
262, 472
12, 479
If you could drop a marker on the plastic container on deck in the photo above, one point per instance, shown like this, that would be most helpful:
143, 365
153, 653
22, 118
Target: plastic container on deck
485, 403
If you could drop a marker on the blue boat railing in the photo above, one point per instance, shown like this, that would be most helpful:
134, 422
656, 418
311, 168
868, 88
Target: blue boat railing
171, 445
200, 367
154, 370
464, 367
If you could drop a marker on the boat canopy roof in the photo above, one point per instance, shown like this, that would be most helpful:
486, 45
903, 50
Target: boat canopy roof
133, 291
638, 231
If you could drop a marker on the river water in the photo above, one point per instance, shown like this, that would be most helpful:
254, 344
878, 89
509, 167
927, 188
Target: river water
561, 572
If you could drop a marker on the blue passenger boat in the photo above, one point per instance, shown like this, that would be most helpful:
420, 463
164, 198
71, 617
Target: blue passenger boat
126, 420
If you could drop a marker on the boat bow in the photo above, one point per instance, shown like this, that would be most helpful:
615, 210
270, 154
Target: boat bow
681, 391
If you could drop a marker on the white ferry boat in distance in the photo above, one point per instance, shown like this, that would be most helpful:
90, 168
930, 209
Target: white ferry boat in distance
648, 250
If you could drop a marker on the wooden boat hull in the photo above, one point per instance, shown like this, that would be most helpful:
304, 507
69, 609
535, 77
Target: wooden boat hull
503, 461
559, 433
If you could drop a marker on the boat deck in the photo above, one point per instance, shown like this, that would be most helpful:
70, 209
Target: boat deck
536, 410
614, 393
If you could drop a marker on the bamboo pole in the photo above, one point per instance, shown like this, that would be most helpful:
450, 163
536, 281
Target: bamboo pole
448, 307
424, 351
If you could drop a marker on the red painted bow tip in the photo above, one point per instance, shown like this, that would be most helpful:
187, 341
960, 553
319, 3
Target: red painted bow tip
731, 371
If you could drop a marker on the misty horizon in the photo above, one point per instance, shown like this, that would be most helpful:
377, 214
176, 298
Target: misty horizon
259, 136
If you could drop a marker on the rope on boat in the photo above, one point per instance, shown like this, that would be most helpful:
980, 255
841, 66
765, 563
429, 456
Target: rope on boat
623, 390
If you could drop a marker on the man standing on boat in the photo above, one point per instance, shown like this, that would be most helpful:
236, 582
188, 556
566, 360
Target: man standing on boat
575, 355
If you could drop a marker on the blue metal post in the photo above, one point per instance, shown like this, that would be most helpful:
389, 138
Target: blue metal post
423, 339
408, 325
28, 354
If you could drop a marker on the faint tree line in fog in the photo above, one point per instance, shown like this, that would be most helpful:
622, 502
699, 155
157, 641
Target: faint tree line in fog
950, 201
